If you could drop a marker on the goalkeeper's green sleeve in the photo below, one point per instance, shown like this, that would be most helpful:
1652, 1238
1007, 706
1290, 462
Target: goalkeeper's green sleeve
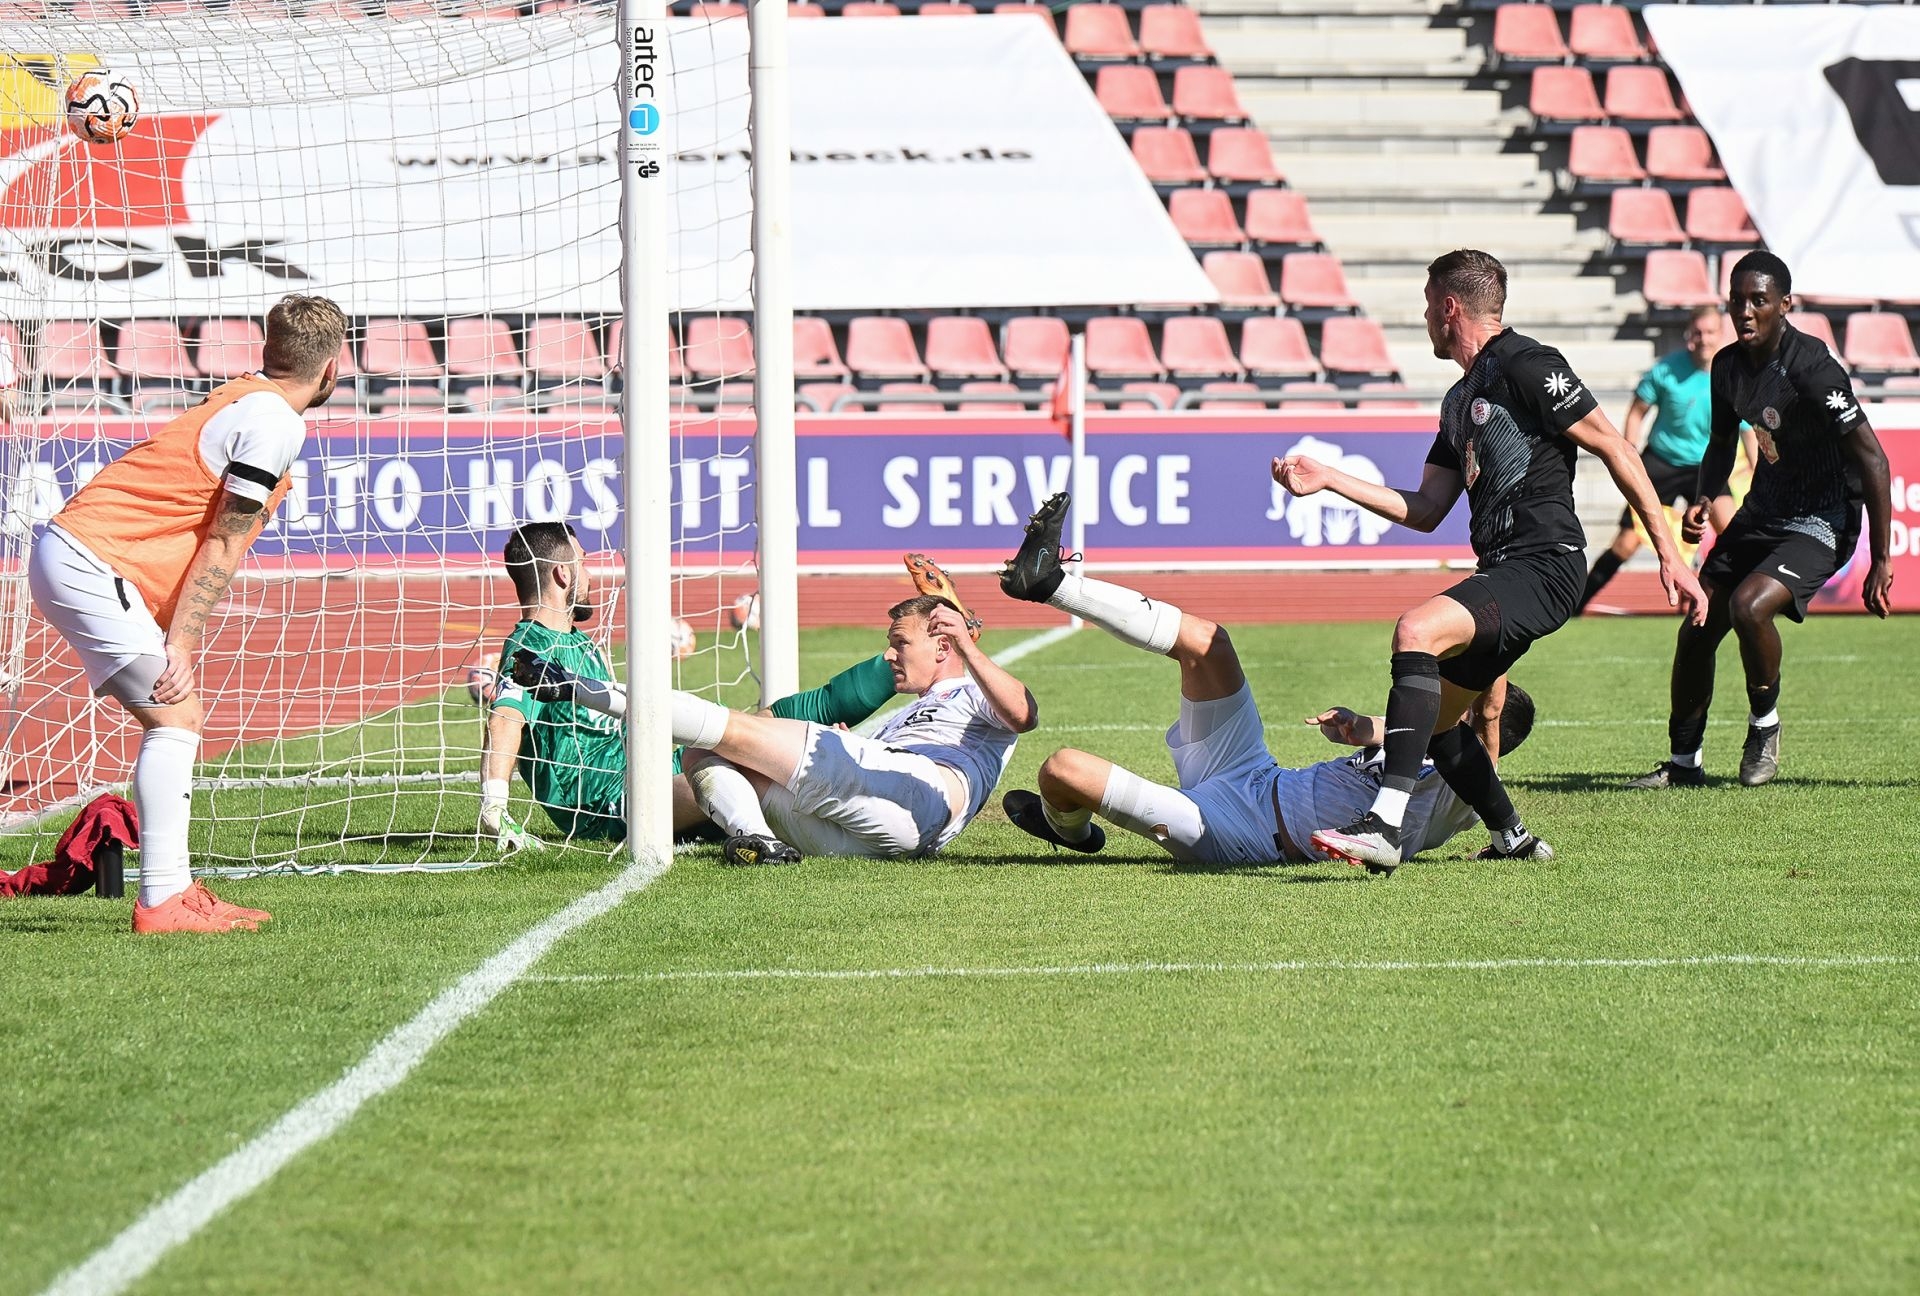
848, 698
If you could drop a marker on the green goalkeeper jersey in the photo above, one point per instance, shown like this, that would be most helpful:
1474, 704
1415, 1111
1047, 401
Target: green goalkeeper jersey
574, 759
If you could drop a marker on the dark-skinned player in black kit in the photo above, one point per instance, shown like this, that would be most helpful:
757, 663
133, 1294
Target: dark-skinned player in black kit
1819, 463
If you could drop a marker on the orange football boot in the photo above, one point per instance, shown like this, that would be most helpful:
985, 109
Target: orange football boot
196, 910
929, 578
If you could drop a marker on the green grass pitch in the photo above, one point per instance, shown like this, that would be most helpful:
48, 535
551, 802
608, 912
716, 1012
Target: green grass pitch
1122, 1076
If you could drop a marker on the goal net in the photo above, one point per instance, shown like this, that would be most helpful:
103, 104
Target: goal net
452, 180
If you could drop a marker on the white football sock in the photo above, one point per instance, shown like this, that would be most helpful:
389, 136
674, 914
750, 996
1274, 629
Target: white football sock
1391, 805
727, 798
1686, 760
1767, 721
1072, 825
163, 796
1127, 615
696, 721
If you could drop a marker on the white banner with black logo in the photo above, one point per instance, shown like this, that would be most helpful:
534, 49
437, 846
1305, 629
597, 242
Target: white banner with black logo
1815, 111
453, 168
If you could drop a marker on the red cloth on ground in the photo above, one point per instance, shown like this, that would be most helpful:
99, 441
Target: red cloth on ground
106, 818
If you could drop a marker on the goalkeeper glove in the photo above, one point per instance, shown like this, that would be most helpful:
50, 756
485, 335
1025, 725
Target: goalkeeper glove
542, 679
496, 823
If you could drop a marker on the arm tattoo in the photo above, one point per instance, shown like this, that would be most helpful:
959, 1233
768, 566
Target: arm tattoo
211, 572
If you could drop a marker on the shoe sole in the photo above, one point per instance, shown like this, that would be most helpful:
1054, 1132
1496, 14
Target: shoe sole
1045, 521
1336, 846
931, 579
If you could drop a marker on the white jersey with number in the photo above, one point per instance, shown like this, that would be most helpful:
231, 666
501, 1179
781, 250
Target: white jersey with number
953, 724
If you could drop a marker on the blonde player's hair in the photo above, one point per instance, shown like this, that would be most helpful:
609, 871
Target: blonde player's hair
303, 334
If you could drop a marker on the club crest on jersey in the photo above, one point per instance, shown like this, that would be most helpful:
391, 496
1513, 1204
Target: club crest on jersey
1771, 417
1764, 438
1470, 460
1480, 411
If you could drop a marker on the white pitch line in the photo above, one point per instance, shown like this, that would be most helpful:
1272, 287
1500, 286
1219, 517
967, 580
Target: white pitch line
1290, 965
167, 1224
1045, 639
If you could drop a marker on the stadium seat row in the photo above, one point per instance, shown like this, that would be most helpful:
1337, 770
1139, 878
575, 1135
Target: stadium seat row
1677, 156
1274, 219
1636, 97
1202, 95
1236, 155
1597, 33
1640, 218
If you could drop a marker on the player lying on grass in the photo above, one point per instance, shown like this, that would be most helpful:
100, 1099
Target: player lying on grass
131, 570
573, 754
783, 787
1235, 803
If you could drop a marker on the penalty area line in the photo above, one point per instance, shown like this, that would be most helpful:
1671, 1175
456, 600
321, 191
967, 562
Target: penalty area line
189, 1208
1276, 967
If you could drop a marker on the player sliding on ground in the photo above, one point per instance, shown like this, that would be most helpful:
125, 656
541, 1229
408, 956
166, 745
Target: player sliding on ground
569, 743
130, 571
783, 787
1508, 435
1235, 804
1819, 462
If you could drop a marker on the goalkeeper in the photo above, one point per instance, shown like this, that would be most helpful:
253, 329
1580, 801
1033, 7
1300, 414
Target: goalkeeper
573, 756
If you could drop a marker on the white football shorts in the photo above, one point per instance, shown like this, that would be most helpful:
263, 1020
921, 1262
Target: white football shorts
853, 796
1222, 812
102, 617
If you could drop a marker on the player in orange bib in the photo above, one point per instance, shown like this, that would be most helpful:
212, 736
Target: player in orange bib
131, 569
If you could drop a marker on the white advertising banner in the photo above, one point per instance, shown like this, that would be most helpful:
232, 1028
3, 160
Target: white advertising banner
455, 168
1815, 111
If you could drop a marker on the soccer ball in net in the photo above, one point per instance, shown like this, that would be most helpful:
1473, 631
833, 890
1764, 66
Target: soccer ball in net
745, 612
102, 106
682, 642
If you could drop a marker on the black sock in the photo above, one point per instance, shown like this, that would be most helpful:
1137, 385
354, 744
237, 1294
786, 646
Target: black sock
1762, 701
1604, 568
1684, 736
1461, 759
1413, 708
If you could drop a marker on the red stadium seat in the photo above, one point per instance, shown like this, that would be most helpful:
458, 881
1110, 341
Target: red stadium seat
1195, 346
821, 394
1815, 324
1682, 153
394, 348
1039, 11
1386, 386
1604, 33
1130, 92
961, 346
1563, 94
985, 386
480, 348
1205, 217
1881, 343
1677, 278
228, 348
1719, 216
1241, 278
1275, 346
1202, 92
1527, 33
1901, 389
1036, 346
154, 351
1287, 407
1604, 154
1644, 217
1241, 155
1118, 347
816, 355
909, 407
802, 9
1167, 393
946, 9
1315, 280
1641, 94
869, 9
1165, 153
1231, 388
1172, 31
347, 365
564, 351
1356, 345
1279, 217
718, 346
881, 346
1099, 32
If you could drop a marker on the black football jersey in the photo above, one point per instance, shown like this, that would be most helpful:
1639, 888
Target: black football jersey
1801, 406
1502, 428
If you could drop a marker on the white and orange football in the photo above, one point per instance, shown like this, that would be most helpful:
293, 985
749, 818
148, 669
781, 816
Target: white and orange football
102, 106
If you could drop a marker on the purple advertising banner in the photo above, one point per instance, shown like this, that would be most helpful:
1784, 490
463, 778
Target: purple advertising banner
1165, 489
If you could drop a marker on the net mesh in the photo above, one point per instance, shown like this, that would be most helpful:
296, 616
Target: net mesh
451, 182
